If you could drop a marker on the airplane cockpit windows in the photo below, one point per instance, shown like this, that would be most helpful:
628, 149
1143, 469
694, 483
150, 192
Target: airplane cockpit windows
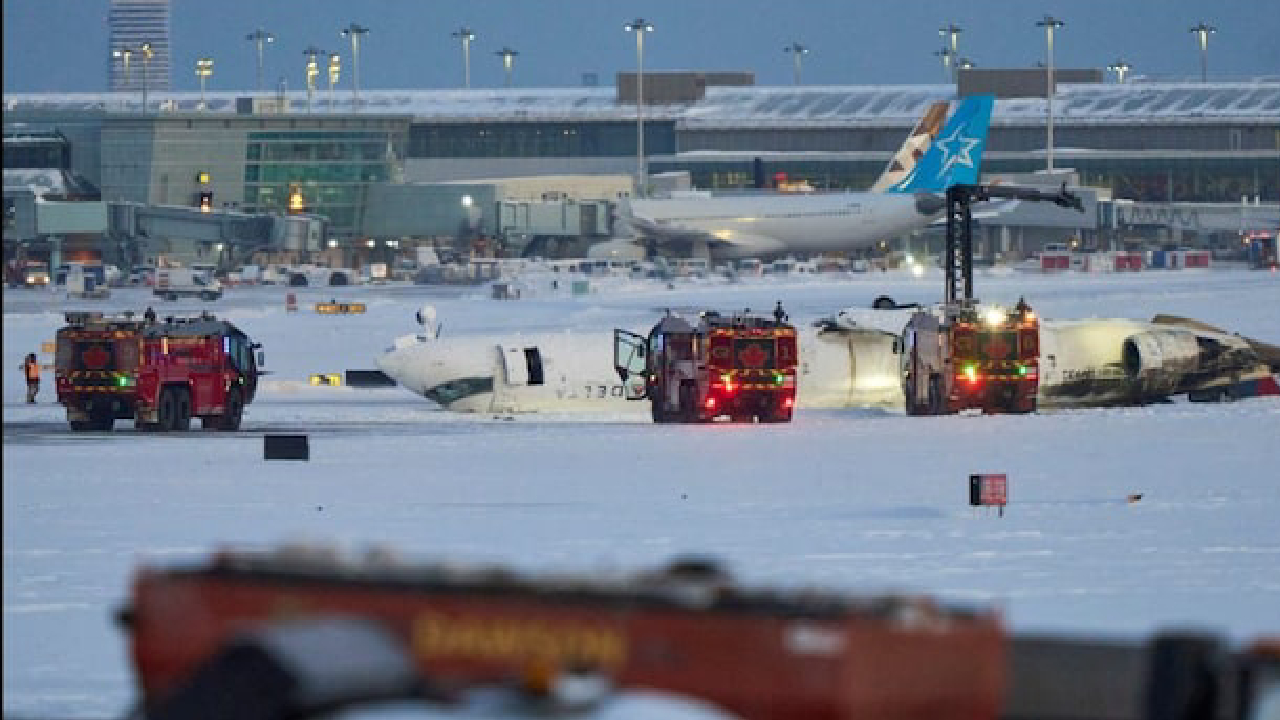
449, 392
533, 358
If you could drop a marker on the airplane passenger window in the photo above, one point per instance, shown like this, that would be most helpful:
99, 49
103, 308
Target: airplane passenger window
533, 358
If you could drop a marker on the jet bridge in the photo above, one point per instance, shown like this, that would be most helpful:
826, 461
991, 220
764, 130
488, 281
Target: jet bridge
169, 225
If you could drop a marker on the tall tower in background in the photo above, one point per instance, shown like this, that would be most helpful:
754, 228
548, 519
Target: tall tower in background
134, 22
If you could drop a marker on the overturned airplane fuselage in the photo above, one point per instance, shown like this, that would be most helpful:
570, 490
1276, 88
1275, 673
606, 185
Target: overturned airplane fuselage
1083, 363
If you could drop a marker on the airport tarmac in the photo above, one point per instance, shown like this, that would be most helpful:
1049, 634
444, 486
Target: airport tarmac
853, 500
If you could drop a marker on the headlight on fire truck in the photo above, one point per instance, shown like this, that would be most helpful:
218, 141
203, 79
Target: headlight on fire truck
993, 316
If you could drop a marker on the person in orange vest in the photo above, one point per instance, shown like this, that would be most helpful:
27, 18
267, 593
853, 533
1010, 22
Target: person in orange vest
31, 368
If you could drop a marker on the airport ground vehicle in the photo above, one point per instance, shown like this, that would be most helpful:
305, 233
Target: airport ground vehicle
741, 366
159, 373
301, 631
172, 283
36, 275
965, 355
1264, 249
685, 629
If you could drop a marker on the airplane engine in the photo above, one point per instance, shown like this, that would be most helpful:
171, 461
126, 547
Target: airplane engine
1168, 362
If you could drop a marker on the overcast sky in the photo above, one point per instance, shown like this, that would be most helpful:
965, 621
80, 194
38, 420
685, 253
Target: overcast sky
61, 45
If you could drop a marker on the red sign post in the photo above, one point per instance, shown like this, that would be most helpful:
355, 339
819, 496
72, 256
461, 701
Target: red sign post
989, 489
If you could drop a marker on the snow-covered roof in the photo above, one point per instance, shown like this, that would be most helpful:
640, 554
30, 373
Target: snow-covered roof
41, 181
54, 182
737, 106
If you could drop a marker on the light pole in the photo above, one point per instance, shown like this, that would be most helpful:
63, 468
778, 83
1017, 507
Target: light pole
466, 35
797, 51
1202, 32
147, 52
1120, 68
354, 32
950, 31
260, 37
945, 54
123, 55
313, 71
640, 27
507, 55
1049, 24
335, 70
204, 70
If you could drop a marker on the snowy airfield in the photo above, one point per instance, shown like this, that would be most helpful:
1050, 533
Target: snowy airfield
855, 500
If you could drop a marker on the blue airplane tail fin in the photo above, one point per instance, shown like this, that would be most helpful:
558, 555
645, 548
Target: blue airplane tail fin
955, 157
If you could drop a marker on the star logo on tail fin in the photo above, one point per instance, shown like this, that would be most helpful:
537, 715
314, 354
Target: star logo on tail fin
957, 148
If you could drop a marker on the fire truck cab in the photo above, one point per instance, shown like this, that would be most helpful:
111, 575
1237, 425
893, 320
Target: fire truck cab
968, 355
159, 373
743, 367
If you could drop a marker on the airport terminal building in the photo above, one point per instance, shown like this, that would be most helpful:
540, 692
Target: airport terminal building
441, 163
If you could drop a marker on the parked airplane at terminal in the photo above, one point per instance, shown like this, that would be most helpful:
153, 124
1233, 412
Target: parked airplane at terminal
907, 197
844, 363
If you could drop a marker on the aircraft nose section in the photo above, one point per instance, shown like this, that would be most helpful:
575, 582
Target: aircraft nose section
929, 204
395, 363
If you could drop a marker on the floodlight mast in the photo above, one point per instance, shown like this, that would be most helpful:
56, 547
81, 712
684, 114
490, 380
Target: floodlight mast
640, 27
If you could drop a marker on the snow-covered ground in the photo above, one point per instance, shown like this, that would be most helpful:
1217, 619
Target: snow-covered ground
854, 500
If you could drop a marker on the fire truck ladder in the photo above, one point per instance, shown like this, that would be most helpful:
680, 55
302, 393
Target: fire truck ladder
959, 262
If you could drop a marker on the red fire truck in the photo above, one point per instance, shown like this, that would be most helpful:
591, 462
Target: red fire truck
964, 355
314, 632
743, 367
688, 630
159, 373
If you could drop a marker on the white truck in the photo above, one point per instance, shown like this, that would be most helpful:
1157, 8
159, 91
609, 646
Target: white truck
173, 283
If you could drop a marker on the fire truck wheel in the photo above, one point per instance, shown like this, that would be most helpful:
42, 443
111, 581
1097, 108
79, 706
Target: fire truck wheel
235, 410
81, 425
910, 404
102, 421
167, 411
655, 409
935, 396
182, 416
688, 402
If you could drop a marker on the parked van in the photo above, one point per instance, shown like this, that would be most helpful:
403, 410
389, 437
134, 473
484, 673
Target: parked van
172, 283
35, 274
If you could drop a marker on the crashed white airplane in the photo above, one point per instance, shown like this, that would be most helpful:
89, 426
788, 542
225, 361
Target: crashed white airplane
843, 364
